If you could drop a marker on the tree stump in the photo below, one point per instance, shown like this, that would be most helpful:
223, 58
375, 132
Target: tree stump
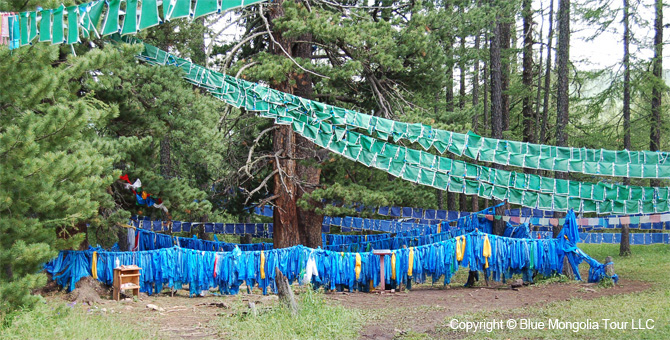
567, 269
285, 292
624, 246
609, 266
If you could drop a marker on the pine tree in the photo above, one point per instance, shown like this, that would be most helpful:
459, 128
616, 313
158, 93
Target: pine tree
51, 174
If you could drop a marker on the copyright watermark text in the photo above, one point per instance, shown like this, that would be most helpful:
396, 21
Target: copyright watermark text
575, 326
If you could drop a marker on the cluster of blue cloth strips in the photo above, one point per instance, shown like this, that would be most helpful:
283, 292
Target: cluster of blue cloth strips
173, 262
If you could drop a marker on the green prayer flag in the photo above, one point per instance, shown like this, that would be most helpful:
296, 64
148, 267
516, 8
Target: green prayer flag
72, 25
204, 7
560, 203
516, 196
57, 32
471, 187
544, 201
45, 26
530, 199
427, 177
441, 181
24, 19
111, 24
456, 184
589, 206
366, 157
33, 26
411, 173
149, 15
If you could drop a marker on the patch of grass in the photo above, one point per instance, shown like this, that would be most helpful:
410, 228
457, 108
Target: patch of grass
649, 263
315, 320
620, 308
56, 320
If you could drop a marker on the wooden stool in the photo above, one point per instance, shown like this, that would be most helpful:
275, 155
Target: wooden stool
125, 278
382, 276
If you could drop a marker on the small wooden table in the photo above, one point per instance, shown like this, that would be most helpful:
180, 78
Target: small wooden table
126, 278
382, 272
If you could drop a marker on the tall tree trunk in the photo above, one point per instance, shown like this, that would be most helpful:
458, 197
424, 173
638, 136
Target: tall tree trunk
657, 90
536, 128
527, 76
486, 82
475, 104
439, 192
547, 76
624, 246
449, 98
497, 123
463, 198
475, 85
563, 82
293, 225
505, 52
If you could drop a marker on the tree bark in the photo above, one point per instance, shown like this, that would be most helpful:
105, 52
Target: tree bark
624, 246
475, 103
626, 81
547, 76
463, 198
497, 123
505, 52
539, 82
439, 192
527, 75
285, 292
486, 76
293, 225
657, 90
449, 101
563, 82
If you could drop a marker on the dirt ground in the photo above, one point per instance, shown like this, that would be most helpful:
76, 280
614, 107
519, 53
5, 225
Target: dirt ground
422, 309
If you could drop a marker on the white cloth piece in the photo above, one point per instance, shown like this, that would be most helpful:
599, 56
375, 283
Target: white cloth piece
665, 218
134, 186
310, 270
162, 207
131, 238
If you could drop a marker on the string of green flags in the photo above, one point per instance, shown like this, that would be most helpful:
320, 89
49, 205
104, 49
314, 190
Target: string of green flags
101, 18
420, 167
641, 164
69, 24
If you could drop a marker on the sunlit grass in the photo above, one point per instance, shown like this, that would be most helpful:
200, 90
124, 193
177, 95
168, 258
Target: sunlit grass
58, 320
315, 320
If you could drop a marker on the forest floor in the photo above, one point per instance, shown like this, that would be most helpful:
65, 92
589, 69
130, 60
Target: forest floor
424, 312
